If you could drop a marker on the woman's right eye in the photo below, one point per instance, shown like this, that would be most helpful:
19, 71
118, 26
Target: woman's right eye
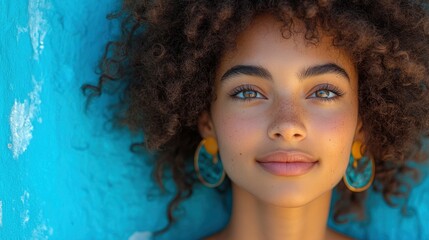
247, 93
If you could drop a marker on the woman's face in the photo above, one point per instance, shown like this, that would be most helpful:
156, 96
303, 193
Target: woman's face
285, 114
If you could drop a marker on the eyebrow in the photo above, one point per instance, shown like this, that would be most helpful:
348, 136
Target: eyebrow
323, 69
261, 72
250, 70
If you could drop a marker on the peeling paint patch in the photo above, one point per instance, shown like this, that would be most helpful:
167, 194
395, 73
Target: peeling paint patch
42, 231
21, 117
25, 217
141, 236
25, 214
20, 30
25, 196
37, 25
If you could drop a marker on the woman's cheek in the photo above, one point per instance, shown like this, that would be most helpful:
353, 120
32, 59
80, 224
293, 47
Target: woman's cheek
335, 135
232, 120
238, 135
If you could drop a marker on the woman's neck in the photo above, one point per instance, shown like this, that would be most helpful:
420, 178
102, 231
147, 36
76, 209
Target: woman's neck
254, 219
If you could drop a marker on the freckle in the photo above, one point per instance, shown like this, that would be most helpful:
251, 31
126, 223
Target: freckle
241, 154
329, 139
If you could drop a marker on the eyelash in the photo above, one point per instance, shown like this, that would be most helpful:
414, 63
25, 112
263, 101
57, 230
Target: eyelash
328, 87
244, 88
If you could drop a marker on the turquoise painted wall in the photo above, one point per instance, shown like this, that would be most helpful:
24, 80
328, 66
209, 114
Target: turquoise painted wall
65, 174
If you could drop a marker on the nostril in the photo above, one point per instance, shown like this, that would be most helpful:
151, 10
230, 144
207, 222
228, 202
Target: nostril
287, 131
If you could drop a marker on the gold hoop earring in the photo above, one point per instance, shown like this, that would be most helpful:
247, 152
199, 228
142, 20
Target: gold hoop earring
207, 155
360, 170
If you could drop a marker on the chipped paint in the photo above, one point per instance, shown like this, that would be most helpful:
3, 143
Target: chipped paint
42, 231
21, 117
25, 217
25, 196
20, 30
37, 25
25, 214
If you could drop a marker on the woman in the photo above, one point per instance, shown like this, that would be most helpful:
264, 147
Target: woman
285, 98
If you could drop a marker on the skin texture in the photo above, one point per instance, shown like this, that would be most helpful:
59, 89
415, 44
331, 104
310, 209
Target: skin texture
285, 113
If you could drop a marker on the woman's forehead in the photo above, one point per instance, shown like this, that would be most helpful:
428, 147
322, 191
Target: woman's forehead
263, 43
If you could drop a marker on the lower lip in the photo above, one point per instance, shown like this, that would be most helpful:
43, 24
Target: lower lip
288, 169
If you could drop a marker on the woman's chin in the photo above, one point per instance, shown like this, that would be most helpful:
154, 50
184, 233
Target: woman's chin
290, 200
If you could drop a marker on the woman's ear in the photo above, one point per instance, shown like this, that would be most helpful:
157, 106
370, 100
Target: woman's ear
205, 125
359, 133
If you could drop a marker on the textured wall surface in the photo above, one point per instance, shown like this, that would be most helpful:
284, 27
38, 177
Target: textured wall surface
66, 175
63, 175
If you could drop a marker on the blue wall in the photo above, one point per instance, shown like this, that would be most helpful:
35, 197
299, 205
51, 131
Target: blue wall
62, 174
67, 175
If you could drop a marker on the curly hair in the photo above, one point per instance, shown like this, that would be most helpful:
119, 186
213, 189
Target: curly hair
170, 50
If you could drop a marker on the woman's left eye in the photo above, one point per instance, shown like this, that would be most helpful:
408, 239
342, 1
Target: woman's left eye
326, 93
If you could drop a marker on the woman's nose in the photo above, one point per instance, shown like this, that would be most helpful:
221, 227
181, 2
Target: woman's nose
287, 123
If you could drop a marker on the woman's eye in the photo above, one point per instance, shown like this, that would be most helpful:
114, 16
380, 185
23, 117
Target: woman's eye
327, 92
248, 94
324, 94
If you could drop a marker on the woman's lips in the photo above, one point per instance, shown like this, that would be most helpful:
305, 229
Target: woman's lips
287, 163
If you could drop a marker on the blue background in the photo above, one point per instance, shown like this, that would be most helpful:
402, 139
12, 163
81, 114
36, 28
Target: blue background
65, 174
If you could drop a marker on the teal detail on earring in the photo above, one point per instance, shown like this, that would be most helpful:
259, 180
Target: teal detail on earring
359, 178
211, 169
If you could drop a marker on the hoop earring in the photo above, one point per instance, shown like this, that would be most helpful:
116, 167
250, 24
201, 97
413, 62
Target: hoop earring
360, 170
207, 156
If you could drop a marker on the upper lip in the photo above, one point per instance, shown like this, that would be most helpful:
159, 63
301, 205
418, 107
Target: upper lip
283, 156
